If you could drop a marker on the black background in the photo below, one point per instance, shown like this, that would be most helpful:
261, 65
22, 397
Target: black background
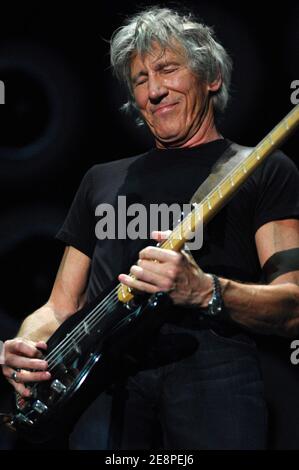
61, 116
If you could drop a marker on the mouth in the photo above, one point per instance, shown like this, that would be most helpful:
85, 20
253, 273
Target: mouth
164, 108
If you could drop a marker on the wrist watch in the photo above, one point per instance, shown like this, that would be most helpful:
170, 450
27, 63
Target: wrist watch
215, 304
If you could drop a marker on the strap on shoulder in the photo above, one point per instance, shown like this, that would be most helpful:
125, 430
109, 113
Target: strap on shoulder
230, 158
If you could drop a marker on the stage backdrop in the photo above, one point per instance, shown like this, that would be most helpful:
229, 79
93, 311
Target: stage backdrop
61, 116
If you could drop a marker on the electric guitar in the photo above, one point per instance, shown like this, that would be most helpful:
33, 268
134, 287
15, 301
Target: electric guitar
101, 342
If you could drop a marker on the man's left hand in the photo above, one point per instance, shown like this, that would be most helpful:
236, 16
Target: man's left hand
163, 270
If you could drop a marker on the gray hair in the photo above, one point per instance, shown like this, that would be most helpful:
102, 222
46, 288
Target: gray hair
205, 55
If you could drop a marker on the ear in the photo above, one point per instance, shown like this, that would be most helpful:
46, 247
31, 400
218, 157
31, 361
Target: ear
216, 84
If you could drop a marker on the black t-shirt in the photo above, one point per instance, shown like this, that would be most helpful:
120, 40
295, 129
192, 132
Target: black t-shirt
172, 176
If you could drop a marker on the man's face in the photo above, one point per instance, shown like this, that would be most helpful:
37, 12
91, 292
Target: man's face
170, 97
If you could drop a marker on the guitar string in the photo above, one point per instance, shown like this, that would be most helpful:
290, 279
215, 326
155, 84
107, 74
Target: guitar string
69, 347
95, 310
51, 362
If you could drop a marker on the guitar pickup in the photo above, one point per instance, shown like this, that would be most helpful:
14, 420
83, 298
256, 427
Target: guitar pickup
58, 386
39, 406
22, 419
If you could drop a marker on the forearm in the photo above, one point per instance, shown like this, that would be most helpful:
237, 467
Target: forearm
270, 309
40, 325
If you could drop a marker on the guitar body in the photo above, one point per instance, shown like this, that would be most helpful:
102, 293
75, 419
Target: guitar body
83, 368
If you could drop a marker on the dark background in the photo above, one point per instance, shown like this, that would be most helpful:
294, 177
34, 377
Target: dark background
61, 116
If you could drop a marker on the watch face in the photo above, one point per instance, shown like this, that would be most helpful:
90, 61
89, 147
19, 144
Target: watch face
214, 310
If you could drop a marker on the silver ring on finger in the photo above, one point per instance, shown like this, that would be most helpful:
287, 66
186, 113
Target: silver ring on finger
14, 376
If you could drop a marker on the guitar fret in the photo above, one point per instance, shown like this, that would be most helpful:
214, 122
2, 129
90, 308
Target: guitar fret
244, 169
232, 181
219, 192
209, 203
286, 124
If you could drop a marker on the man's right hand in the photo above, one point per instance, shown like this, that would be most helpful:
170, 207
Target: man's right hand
67, 296
23, 364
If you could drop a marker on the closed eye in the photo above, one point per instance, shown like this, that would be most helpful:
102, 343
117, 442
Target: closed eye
166, 69
141, 81
169, 69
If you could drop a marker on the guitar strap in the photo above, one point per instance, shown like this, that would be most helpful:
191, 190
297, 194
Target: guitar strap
231, 157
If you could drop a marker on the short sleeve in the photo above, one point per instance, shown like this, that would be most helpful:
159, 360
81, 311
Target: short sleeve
78, 229
277, 190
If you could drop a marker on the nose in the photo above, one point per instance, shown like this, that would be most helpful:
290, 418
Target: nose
156, 89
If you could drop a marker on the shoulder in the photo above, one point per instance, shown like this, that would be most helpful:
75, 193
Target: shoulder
103, 179
114, 166
276, 168
102, 171
278, 161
